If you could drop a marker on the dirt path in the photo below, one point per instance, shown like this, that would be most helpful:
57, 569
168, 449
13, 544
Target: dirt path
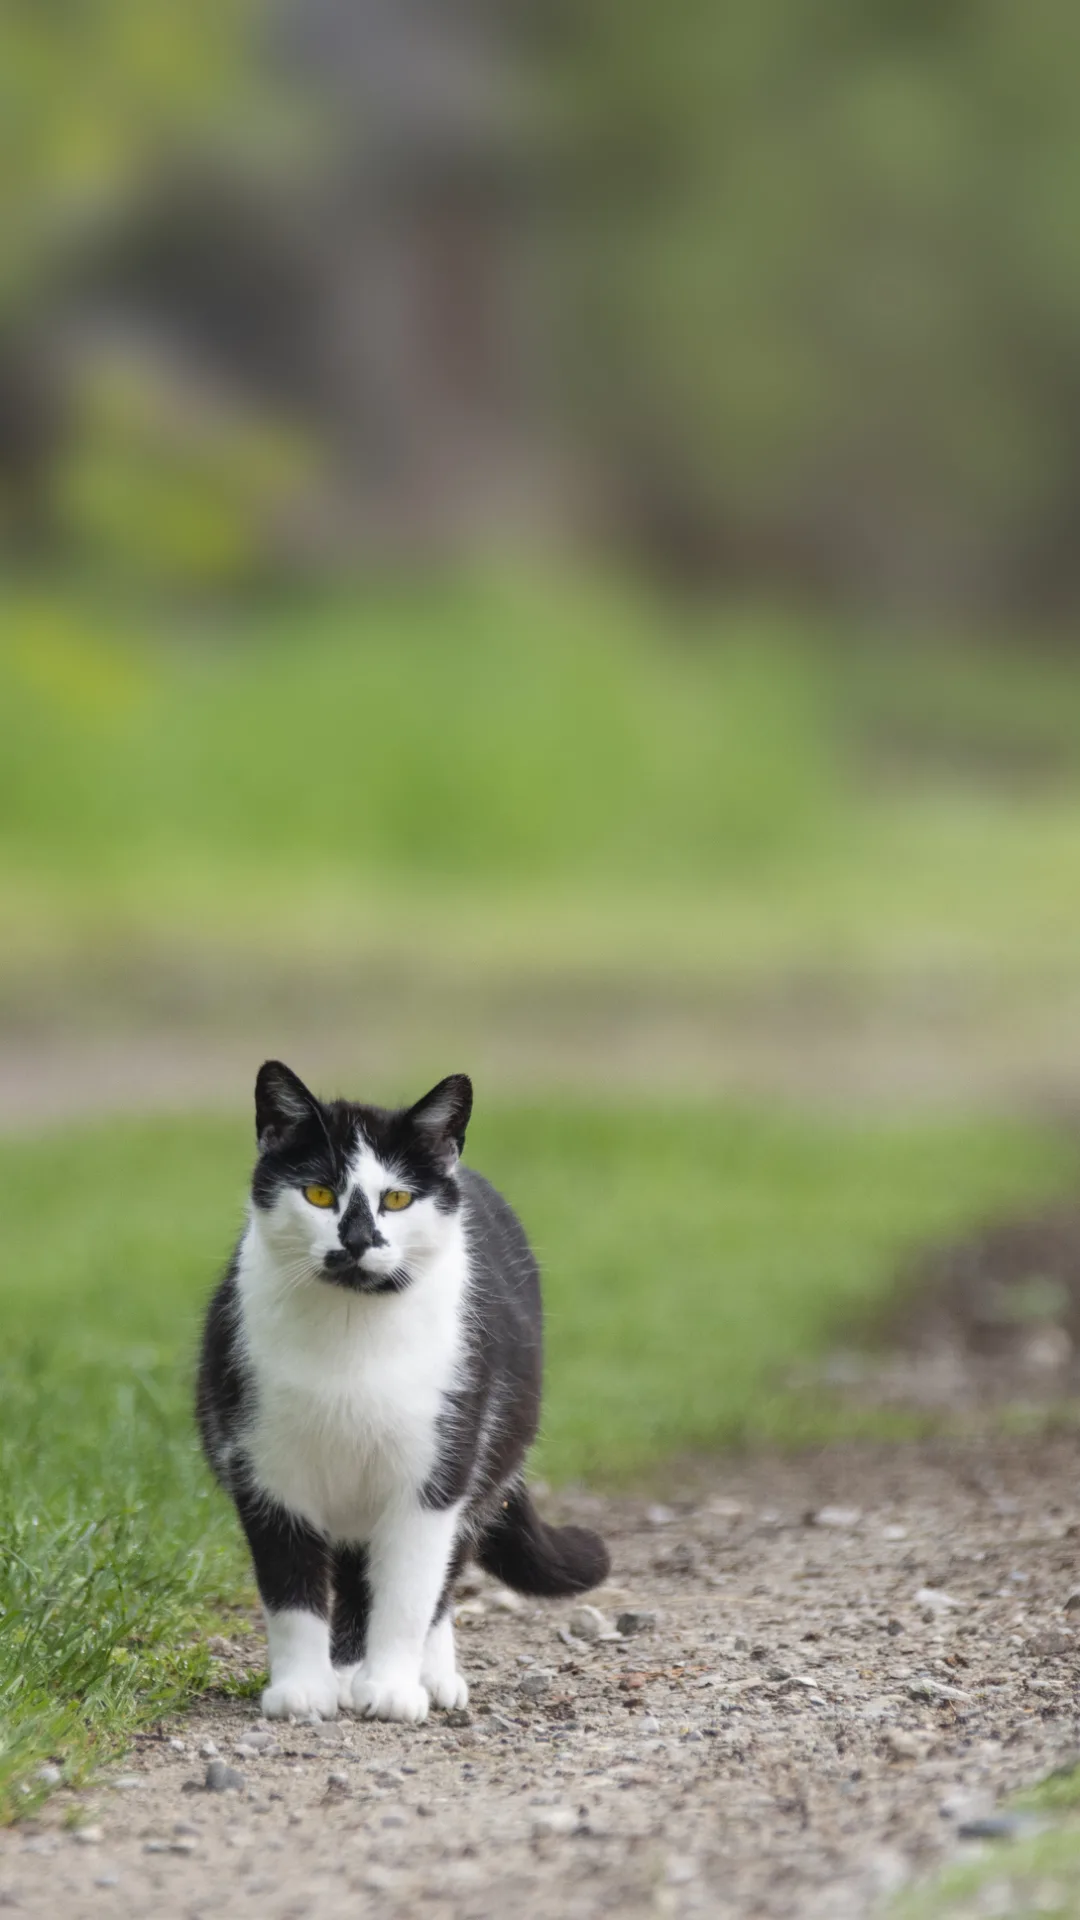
801, 1731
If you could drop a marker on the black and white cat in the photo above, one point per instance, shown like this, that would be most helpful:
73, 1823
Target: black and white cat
369, 1385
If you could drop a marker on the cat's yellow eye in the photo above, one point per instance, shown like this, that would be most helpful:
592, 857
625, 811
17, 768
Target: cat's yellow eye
319, 1196
395, 1199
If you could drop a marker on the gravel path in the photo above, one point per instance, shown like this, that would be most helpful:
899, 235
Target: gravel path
853, 1655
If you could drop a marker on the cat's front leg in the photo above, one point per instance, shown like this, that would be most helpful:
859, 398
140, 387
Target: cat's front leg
408, 1557
292, 1568
438, 1668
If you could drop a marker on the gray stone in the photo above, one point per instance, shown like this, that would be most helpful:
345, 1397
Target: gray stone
208, 1750
639, 1620
532, 1685
338, 1781
223, 1779
924, 1688
89, 1836
50, 1776
998, 1826
1051, 1640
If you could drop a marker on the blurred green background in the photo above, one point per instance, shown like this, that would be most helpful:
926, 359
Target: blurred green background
543, 542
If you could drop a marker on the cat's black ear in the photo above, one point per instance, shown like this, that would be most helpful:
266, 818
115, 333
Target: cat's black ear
442, 1117
282, 1103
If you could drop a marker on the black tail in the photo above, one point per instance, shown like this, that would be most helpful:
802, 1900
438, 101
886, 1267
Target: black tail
525, 1553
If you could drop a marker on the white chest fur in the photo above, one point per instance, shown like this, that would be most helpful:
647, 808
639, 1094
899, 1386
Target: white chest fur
348, 1387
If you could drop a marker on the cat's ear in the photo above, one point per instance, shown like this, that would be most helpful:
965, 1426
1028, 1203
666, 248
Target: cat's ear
442, 1117
282, 1103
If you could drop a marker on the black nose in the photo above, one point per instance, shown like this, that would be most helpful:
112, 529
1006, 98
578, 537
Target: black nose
358, 1232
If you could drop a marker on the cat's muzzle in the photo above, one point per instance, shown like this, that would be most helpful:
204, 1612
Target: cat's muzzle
343, 1270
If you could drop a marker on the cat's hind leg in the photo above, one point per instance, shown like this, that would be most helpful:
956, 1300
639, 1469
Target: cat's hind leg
292, 1571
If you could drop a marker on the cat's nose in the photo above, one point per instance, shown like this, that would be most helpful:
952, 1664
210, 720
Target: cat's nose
358, 1232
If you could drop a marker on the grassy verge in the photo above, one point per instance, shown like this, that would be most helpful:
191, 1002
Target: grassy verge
489, 778
691, 1255
1021, 1879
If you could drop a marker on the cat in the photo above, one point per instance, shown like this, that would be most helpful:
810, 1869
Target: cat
368, 1388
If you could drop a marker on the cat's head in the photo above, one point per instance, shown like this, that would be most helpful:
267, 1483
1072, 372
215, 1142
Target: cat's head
353, 1195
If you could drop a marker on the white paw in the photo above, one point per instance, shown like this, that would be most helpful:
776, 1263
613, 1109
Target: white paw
301, 1696
344, 1676
389, 1699
446, 1689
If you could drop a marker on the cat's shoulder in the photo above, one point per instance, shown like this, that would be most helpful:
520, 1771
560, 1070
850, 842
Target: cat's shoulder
497, 1240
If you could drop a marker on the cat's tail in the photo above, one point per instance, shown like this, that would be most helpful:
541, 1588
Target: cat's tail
523, 1552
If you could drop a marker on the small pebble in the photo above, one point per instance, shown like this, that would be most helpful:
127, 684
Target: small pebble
903, 1745
339, 1781
935, 1600
126, 1782
1073, 1601
534, 1684
680, 1869
1051, 1640
177, 1746
107, 1880
927, 1689
842, 1518
554, 1820
89, 1836
208, 1750
223, 1779
636, 1621
659, 1516
50, 1776
588, 1623
997, 1826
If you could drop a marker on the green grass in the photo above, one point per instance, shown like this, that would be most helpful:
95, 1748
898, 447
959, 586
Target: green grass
690, 1255
1038, 1875
526, 775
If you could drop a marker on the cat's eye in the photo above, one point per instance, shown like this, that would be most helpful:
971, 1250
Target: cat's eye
395, 1199
319, 1196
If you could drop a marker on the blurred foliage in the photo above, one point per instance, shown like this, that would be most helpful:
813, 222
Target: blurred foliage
90, 92
173, 486
815, 274
831, 259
